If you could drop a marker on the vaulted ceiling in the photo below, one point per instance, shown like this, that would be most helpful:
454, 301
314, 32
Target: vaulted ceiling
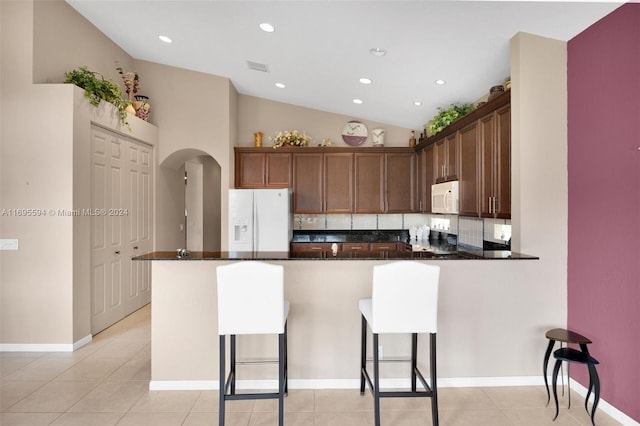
320, 49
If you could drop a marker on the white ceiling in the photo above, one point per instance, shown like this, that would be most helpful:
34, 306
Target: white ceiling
320, 49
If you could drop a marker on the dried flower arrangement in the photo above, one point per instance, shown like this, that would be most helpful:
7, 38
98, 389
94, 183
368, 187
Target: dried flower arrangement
293, 138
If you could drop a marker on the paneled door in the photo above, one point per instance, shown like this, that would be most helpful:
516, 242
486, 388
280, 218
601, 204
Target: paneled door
121, 226
139, 216
108, 262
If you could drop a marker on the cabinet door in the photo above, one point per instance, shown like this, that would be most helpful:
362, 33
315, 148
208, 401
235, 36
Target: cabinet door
278, 170
305, 247
400, 183
307, 183
250, 170
440, 156
390, 246
469, 170
338, 183
503, 163
355, 246
451, 162
487, 164
426, 178
369, 183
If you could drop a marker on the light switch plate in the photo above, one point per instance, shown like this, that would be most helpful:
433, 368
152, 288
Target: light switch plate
9, 244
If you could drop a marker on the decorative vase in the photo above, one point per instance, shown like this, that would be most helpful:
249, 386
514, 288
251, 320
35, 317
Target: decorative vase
496, 91
412, 138
257, 139
142, 107
378, 137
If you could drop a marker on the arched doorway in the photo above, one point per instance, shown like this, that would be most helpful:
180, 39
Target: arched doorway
191, 188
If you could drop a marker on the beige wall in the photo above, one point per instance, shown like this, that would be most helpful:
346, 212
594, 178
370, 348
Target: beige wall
270, 117
45, 165
57, 24
37, 172
539, 164
195, 115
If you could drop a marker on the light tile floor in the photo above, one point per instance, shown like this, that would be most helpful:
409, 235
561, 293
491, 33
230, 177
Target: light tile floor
106, 383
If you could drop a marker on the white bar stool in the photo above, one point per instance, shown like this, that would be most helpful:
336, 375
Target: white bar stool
251, 301
404, 300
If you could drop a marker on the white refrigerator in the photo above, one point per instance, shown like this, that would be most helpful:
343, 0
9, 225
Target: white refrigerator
260, 219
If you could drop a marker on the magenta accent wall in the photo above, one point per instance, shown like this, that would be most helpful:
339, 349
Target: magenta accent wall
604, 201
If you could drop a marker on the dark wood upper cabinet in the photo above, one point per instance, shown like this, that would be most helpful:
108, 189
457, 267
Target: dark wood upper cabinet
495, 164
469, 170
278, 170
425, 178
483, 159
307, 183
401, 188
338, 182
262, 169
250, 170
446, 155
369, 182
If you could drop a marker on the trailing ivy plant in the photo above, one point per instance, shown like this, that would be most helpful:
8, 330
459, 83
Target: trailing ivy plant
447, 116
96, 89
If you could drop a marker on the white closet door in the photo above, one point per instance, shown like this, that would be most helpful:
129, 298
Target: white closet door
108, 262
140, 222
122, 226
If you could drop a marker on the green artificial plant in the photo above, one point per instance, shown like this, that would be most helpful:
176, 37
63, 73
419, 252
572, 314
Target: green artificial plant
96, 89
447, 116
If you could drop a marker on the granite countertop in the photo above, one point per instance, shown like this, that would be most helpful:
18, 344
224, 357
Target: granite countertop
459, 254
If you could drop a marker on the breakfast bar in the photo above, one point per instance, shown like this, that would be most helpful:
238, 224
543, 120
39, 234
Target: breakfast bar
324, 319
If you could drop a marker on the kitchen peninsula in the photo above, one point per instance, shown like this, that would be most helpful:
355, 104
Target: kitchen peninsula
324, 321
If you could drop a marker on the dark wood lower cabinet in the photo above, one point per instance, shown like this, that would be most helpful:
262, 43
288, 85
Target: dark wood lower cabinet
300, 247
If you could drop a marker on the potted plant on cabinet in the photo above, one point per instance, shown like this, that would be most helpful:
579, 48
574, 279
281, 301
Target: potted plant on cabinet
97, 89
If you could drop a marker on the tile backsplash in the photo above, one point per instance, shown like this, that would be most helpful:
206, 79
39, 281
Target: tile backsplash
470, 231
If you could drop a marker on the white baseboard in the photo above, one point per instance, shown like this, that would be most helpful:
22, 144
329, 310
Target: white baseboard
604, 406
45, 347
390, 384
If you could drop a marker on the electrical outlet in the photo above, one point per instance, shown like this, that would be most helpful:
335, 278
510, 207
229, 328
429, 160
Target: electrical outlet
9, 244
380, 352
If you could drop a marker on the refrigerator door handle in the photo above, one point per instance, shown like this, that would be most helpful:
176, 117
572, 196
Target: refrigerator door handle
254, 219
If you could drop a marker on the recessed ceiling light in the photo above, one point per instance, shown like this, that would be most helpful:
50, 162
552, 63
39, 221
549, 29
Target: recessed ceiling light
377, 51
280, 85
358, 101
440, 82
365, 80
266, 27
417, 103
165, 38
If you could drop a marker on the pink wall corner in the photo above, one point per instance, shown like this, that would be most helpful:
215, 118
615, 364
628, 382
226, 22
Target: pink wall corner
604, 201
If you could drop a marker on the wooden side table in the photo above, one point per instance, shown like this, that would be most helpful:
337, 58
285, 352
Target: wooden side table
563, 336
572, 355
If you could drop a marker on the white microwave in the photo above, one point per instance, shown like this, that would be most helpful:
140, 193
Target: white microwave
444, 198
